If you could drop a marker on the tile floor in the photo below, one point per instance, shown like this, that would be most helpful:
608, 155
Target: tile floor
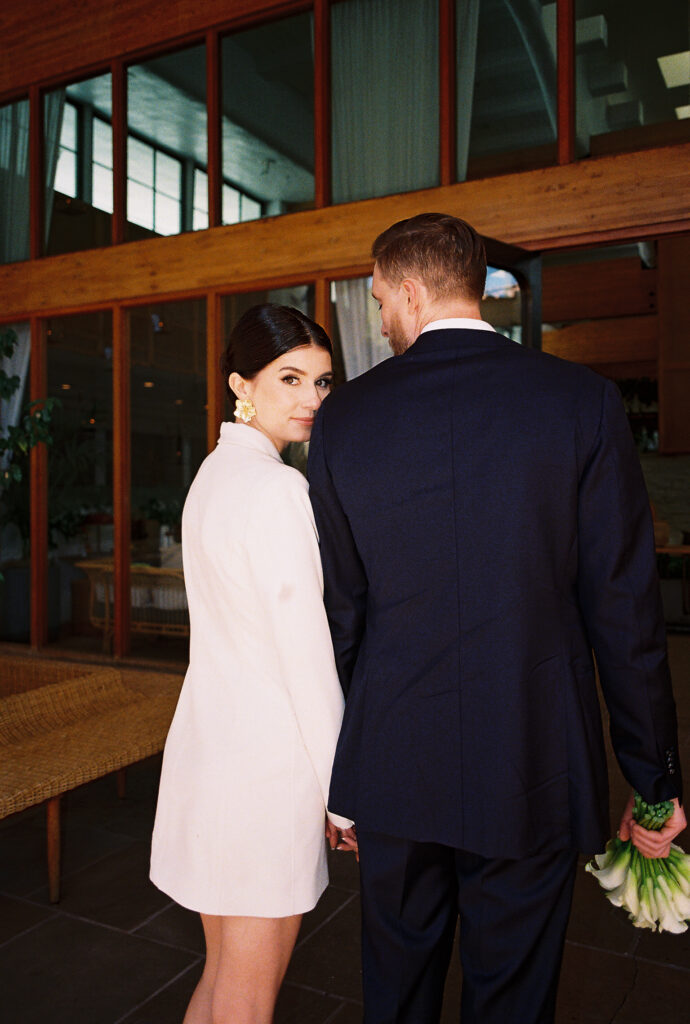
117, 951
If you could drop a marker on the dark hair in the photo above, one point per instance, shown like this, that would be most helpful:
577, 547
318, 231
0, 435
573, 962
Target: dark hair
265, 333
446, 253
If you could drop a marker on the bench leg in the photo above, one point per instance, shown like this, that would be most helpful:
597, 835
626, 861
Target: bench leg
53, 838
121, 783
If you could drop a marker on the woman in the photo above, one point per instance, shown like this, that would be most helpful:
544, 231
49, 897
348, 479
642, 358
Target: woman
239, 831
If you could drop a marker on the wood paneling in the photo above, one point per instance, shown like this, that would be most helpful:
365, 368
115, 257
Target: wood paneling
121, 482
215, 138
214, 346
38, 483
625, 196
565, 42
589, 291
629, 339
82, 37
674, 344
447, 93
322, 103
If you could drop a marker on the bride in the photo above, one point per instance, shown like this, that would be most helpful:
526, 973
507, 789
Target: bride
239, 829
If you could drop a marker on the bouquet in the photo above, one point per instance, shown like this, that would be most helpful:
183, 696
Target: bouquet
655, 892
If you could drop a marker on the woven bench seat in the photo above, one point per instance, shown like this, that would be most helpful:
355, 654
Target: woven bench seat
59, 735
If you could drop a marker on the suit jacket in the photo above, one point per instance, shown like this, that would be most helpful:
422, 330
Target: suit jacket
484, 525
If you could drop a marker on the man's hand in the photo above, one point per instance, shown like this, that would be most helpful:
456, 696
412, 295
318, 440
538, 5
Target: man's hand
649, 843
342, 838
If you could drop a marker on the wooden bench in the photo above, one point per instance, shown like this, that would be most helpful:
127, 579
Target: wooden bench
57, 735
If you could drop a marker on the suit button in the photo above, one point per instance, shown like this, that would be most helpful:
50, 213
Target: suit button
671, 762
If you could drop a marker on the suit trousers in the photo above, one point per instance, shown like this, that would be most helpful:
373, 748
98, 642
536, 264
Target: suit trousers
513, 918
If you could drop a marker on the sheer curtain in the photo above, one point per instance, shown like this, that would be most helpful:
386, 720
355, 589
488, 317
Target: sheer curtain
385, 130
467, 28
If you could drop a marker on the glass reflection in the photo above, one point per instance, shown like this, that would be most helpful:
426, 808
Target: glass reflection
78, 166
80, 490
632, 74
268, 119
168, 402
506, 86
14, 182
167, 148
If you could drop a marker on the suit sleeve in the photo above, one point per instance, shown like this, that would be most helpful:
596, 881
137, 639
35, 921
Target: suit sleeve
620, 600
282, 538
345, 582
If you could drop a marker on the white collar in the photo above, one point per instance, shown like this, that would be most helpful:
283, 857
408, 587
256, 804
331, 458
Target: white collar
457, 323
248, 437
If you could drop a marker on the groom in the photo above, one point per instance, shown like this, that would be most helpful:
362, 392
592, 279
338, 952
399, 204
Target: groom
484, 525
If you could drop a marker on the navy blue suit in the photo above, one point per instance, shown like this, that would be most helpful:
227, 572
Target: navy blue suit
484, 526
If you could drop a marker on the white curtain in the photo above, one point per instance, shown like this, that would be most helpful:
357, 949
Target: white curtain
359, 324
53, 108
18, 365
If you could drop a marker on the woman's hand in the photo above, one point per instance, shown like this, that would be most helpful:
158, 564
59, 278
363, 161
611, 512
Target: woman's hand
342, 838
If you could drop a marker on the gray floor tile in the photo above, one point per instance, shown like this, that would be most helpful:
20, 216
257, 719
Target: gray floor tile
176, 926
115, 891
330, 959
16, 916
72, 972
169, 1005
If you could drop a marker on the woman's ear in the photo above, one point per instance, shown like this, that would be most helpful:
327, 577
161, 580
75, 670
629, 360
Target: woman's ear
238, 385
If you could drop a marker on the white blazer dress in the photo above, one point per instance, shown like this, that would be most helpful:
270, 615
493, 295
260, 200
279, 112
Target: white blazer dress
239, 826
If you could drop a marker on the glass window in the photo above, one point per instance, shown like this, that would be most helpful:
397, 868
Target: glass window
501, 305
78, 166
384, 97
506, 86
66, 170
102, 167
632, 74
268, 118
167, 144
80, 487
200, 219
14, 182
15, 525
168, 402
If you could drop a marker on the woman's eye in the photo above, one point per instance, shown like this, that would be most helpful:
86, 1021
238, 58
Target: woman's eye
324, 382
291, 379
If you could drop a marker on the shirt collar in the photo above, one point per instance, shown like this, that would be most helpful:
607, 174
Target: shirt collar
248, 437
457, 323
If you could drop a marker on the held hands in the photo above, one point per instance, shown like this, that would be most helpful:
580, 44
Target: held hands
342, 838
652, 844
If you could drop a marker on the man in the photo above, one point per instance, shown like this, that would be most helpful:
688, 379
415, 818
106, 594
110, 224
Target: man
483, 526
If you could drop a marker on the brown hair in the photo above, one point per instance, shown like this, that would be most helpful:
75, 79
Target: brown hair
444, 252
265, 333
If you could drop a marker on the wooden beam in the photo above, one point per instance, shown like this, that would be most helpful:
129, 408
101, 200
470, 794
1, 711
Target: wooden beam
590, 291
61, 42
38, 483
628, 339
630, 195
322, 103
322, 303
215, 401
121, 481
215, 136
119, 130
37, 184
447, 93
565, 48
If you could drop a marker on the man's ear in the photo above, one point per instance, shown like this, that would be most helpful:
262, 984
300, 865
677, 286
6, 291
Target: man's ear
238, 385
412, 289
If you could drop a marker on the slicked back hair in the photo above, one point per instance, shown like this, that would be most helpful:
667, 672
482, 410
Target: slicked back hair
444, 252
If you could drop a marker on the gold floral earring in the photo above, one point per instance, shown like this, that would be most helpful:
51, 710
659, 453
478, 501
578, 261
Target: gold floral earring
244, 410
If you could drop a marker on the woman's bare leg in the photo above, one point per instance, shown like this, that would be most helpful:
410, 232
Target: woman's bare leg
199, 1010
254, 955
